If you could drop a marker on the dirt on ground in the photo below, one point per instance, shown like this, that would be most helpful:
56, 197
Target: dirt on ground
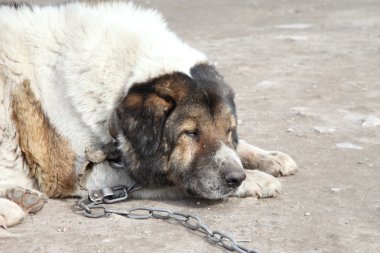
307, 82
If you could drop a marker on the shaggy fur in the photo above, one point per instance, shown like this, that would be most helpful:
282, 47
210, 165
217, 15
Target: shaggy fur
77, 76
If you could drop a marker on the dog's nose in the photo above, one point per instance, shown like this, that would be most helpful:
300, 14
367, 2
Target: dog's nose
234, 177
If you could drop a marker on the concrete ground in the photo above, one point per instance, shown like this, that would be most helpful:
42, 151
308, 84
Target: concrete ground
307, 79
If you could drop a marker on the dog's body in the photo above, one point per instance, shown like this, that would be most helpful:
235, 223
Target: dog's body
79, 76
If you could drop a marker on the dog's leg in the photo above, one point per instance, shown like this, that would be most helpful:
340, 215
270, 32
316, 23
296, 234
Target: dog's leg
10, 213
15, 204
258, 184
16, 200
273, 162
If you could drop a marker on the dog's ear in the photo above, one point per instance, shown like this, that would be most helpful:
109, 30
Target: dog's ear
142, 114
206, 74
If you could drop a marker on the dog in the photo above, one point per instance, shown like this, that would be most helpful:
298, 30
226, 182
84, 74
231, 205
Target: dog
79, 76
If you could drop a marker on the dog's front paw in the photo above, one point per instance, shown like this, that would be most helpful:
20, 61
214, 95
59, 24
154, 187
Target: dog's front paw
28, 199
10, 213
275, 163
259, 184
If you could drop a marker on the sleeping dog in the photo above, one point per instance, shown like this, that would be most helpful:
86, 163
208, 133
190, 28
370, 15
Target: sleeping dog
81, 76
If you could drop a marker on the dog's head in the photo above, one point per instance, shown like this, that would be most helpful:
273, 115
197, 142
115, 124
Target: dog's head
180, 130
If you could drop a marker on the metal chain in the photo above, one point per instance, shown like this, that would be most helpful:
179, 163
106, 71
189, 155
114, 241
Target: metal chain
93, 207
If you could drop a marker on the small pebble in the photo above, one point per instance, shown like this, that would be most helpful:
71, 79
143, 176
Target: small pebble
290, 130
198, 203
292, 37
348, 146
335, 189
307, 214
368, 164
293, 26
324, 130
371, 121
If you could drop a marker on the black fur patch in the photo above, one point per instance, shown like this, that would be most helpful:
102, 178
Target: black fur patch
142, 122
212, 83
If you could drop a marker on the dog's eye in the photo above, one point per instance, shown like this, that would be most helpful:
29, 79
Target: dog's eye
194, 134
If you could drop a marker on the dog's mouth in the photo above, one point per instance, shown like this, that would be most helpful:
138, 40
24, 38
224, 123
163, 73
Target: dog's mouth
213, 193
210, 196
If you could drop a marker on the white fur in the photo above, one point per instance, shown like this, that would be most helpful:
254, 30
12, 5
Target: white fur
81, 60
102, 176
258, 184
10, 213
227, 155
13, 168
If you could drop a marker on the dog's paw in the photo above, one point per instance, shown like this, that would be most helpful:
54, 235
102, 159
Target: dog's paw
275, 163
28, 199
259, 184
10, 213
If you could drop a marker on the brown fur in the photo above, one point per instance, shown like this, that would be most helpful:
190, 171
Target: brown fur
48, 154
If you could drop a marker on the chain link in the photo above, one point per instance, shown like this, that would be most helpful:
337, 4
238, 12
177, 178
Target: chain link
95, 208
